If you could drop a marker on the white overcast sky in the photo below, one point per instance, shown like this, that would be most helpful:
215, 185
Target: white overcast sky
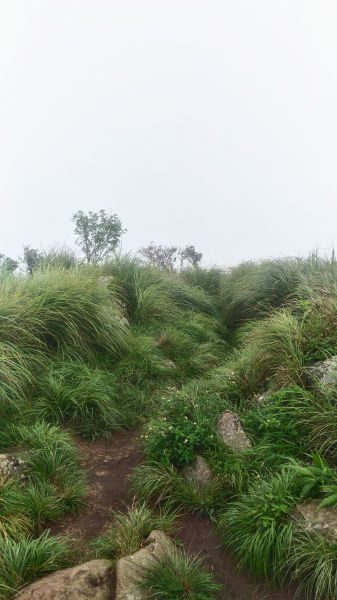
208, 122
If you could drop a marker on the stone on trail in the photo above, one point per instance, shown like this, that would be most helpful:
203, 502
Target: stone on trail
325, 371
11, 465
231, 432
129, 568
318, 520
90, 581
199, 472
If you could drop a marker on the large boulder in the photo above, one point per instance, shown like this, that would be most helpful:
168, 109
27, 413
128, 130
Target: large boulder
93, 580
318, 520
129, 568
199, 472
324, 371
231, 432
12, 465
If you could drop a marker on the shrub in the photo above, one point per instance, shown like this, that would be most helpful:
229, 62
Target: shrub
177, 575
184, 426
127, 531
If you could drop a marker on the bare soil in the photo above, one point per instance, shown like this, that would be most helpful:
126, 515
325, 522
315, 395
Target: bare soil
109, 464
198, 537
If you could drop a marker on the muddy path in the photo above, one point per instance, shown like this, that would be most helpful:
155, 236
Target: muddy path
198, 537
109, 464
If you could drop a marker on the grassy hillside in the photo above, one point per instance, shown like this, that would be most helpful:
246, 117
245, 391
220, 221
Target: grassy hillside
90, 350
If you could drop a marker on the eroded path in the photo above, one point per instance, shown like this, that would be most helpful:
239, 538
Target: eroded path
109, 463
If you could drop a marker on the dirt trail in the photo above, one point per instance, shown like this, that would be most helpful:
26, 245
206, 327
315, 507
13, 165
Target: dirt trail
199, 537
109, 463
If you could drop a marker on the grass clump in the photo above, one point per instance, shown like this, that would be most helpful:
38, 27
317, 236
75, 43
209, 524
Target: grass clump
312, 566
54, 484
73, 391
128, 530
177, 575
161, 485
257, 528
26, 559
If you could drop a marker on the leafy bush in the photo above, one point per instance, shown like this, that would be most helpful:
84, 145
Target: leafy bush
180, 576
184, 426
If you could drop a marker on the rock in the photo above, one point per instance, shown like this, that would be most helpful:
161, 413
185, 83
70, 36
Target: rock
128, 569
325, 371
90, 581
199, 472
318, 520
105, 280
231, 432
12, 465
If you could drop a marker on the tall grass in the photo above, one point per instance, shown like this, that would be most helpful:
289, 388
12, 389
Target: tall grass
128, 530
256, 527
24, 560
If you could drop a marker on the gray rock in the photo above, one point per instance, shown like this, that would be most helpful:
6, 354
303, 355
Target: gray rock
12, 465
199, 472
129, 568
318, 520
325, 371
231, 432
90, 581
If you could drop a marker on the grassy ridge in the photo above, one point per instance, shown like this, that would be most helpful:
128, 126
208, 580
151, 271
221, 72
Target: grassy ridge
89, 350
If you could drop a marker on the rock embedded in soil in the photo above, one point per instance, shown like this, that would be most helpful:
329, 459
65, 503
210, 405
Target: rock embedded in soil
129, 568
231, 432
93, 580
199, 472
324, 371
12, 465
318, 520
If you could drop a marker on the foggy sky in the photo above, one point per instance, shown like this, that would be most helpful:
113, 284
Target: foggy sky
207, 122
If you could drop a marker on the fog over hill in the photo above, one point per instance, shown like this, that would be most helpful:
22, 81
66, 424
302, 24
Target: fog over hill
212, 124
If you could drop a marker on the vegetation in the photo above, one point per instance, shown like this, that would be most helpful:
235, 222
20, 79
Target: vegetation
87, 348
128, 530
177, 575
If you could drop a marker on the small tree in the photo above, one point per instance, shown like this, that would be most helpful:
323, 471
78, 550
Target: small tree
162, 257
32, 258
8, 264
97, 234
169, 257
190, 255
